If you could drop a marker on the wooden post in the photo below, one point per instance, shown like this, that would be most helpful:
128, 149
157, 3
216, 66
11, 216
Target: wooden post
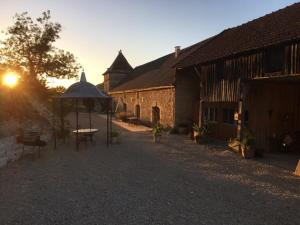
76, 103
241, 110
201, 96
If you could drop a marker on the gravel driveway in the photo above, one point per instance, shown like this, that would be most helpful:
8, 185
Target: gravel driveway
138, 182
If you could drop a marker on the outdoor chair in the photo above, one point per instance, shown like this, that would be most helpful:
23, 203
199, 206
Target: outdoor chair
31, 139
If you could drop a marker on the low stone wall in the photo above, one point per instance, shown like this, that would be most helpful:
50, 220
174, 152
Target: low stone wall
10, 151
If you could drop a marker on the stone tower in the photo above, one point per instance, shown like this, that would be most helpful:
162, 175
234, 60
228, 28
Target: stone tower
117, 72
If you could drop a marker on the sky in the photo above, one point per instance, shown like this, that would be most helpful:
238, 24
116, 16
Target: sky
95, 30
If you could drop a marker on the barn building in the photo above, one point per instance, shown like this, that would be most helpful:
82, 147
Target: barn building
249, 76
244, 77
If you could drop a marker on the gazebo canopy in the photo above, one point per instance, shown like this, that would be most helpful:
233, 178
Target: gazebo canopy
83, 89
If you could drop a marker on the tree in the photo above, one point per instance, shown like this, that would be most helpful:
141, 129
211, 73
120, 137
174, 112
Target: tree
29, 50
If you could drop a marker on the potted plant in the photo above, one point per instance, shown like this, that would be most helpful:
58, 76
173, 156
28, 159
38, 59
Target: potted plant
196, 132
115, 137
156, 131
205, 130
247, 145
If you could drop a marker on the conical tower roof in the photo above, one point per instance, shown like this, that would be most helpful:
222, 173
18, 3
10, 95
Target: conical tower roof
120, 64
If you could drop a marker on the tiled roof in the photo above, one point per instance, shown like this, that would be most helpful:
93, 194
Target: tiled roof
157, 73
280, 26
120, 64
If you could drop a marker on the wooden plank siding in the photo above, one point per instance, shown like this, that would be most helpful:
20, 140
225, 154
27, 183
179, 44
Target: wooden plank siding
222, 81
225, 86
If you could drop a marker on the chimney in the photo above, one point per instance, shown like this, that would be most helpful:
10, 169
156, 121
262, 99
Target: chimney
177, 51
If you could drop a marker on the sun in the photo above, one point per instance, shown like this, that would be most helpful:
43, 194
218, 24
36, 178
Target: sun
10, 80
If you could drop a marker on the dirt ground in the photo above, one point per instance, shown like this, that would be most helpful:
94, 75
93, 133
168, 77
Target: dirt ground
139, 182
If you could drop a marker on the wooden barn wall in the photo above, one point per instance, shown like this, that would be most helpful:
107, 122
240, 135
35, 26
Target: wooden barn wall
224, 85
292, 59
219, 129
221, 79
274, 110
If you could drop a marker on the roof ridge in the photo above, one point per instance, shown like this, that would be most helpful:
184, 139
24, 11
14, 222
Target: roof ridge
235, 36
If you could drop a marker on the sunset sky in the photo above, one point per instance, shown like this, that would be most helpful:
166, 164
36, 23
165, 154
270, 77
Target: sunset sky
96, 30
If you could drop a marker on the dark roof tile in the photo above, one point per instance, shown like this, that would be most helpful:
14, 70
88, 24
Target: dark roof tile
280, 26
120, 64
157, 73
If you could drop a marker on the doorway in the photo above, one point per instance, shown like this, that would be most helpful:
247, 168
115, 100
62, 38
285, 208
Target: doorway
155, 115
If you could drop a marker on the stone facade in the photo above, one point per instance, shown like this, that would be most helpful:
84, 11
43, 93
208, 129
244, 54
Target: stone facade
177, 105
111, 80
147, 99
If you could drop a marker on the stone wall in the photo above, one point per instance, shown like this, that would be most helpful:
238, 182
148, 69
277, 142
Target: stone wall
111, 80
147, 99
11, 151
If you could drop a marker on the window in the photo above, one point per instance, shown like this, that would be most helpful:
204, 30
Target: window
228, 116
274, 59
211, 114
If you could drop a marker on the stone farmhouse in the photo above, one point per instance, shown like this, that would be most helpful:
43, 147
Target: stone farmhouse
244, 77
154, 92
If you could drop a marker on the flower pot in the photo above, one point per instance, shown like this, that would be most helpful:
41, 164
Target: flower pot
197, 139
248, 152
196, 133
156, 138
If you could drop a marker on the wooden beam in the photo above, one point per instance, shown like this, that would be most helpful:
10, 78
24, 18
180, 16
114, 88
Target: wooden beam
201, 96
241, 109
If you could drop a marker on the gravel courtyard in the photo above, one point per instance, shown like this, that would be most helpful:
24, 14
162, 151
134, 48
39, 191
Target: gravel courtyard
138, 182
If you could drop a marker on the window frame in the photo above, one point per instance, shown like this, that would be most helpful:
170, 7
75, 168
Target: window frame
211, 114
228, 116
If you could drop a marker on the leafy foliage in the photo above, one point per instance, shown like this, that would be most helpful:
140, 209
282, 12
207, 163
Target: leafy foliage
29, 50
196, 128
248, 138
205, 129
156, 130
